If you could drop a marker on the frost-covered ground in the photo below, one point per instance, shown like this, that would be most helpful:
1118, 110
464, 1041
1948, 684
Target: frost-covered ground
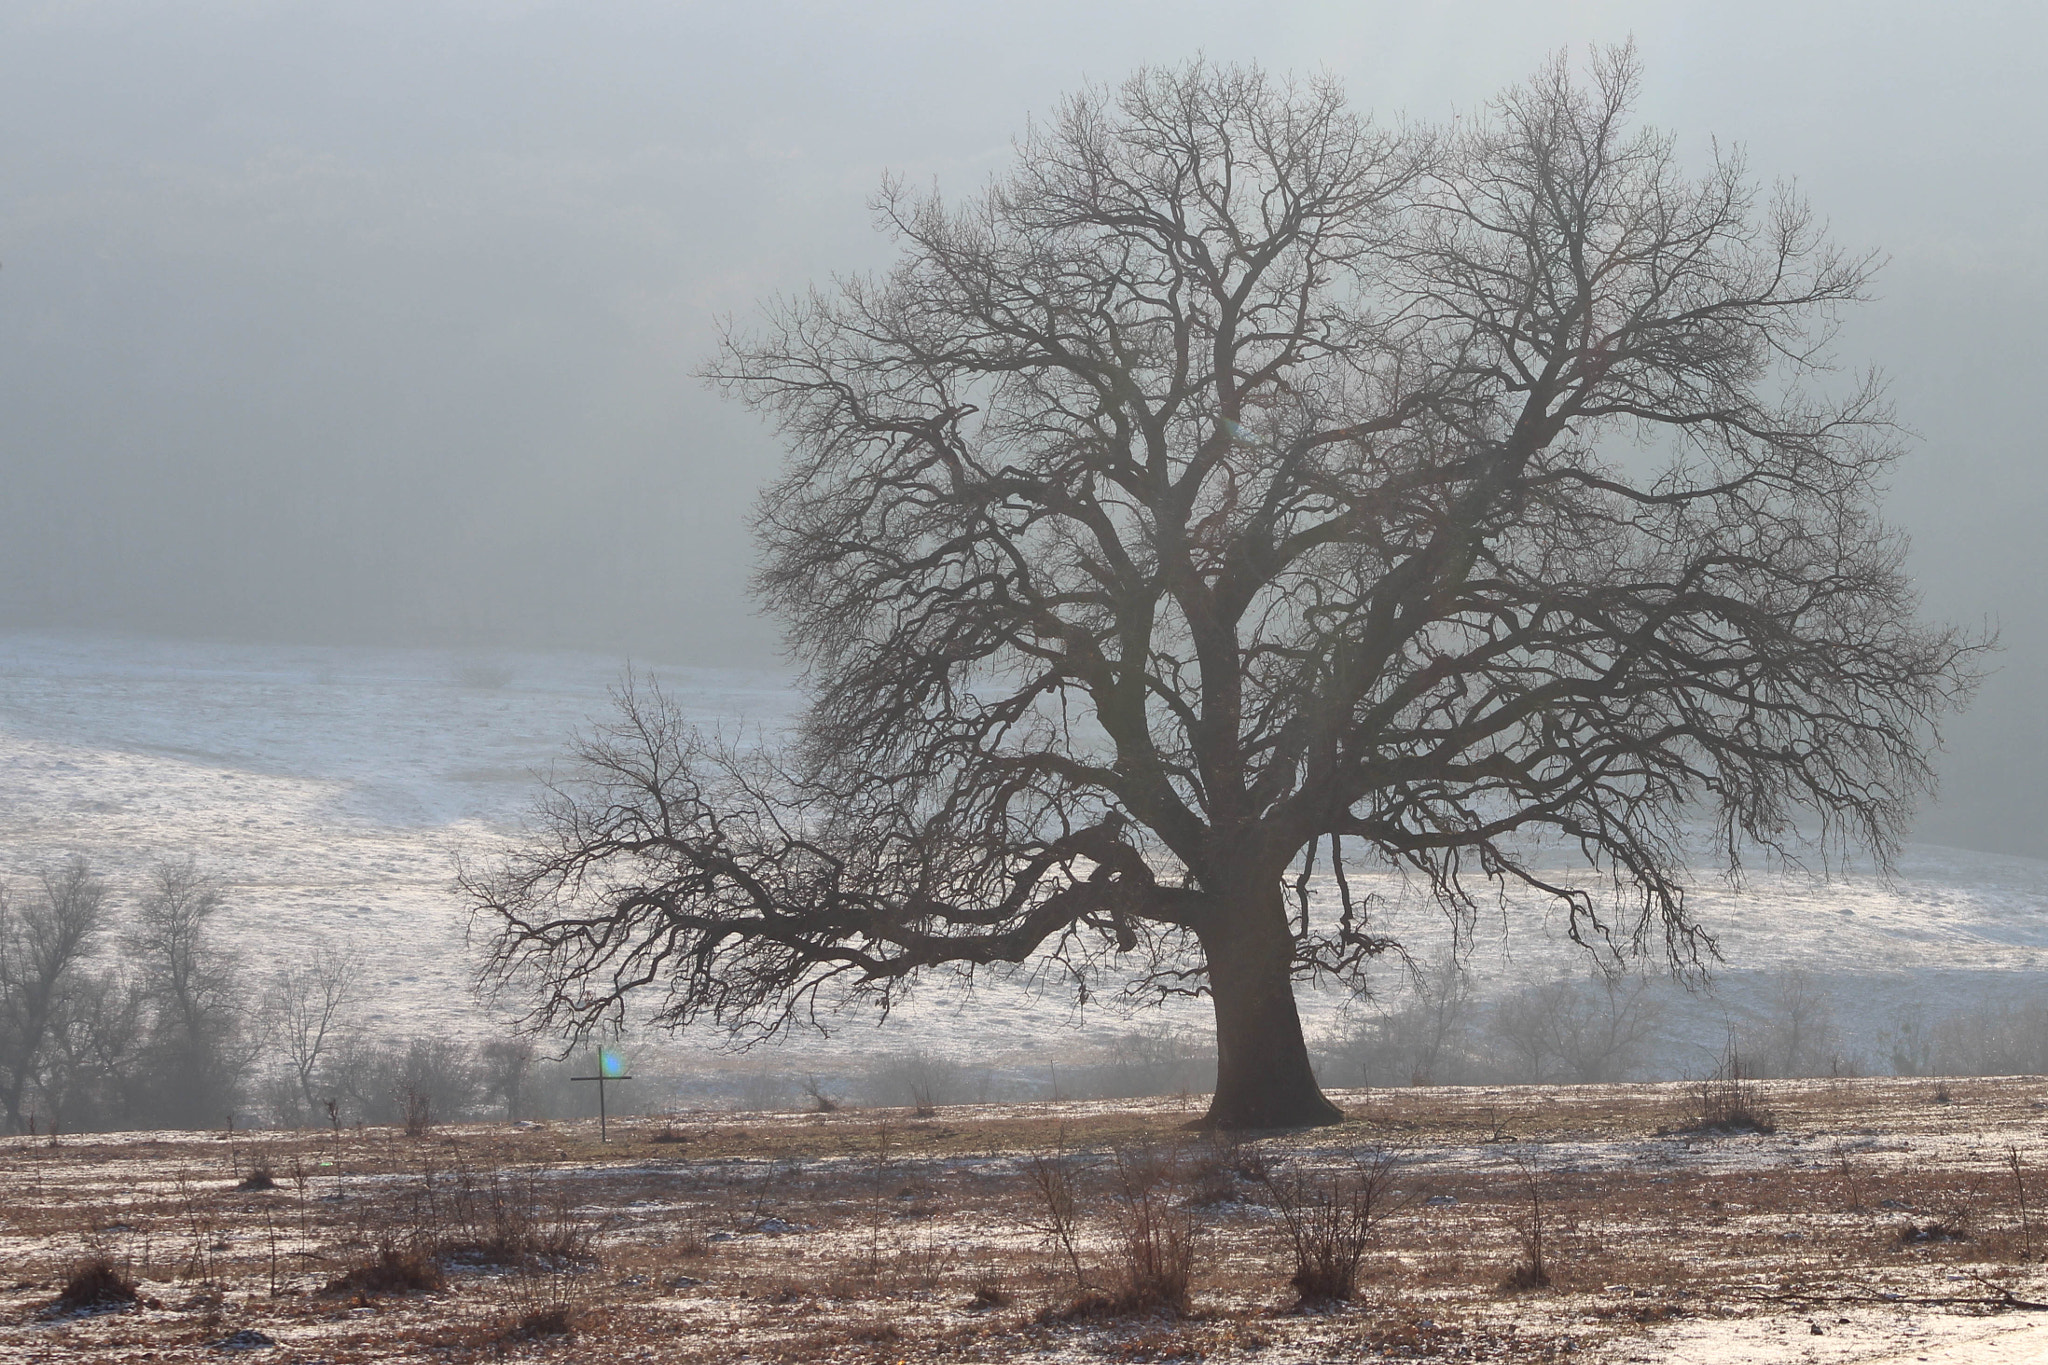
331, 789
1879, 1221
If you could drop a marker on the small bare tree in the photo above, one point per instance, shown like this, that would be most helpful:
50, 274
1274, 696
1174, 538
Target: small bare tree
309, 1003
1237, 484
1794, 1033
196, 1014
1577, 1030
44, 941
504, 1071
1420, 1037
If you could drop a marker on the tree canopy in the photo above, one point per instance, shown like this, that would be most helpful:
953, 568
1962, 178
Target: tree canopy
1236, 483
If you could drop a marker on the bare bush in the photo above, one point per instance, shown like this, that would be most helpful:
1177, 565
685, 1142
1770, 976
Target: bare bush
416, 1111
1149, 1061
1998, 1040
1153, 1249
1422, 1038
991, 1292
95, 1284
1052, 1176
1794, 1033
542, 1321
760, 1090
491, 1217
1332, 1219
1729, 1101
1532, 1271
503, 1067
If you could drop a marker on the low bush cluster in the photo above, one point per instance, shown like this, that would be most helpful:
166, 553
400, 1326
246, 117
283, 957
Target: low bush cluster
95, 1284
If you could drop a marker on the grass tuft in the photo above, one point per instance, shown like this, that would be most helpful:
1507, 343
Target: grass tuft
393, 1270
991, 1292
95, 1285
549, 1320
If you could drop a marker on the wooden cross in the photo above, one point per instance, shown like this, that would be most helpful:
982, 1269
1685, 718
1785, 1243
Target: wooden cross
609, 1068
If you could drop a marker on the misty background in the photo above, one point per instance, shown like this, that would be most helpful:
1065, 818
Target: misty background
374, 324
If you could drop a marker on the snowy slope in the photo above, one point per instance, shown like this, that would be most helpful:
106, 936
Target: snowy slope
332, 788
329, 788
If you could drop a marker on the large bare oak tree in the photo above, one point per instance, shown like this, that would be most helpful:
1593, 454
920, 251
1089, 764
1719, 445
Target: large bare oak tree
1235, 484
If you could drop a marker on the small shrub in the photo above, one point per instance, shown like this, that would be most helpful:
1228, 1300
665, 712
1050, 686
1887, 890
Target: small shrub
391, 1271
96, 1284
1532, 1271
924, 1266
509, 1221
1154, 1246
259, 1178
1729, 1101
1953, 1228
924, 1080
1052, 1176
821, 1103
1218, 1165
1330, 1223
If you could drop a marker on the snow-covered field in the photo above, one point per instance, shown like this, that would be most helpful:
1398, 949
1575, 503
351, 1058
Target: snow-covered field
331, 790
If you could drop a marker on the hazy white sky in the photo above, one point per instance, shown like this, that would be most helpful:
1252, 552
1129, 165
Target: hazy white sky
366, 321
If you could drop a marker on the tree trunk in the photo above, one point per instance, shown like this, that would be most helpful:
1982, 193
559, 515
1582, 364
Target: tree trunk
1263, 1078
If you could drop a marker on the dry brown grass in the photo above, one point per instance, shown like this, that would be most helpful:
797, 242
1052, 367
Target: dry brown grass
790, 1237
390, 1270
548, 1320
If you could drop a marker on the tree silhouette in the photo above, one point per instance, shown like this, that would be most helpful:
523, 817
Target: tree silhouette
1235, 480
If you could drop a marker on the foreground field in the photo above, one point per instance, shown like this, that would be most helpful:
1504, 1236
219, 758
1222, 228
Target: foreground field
1877, 1219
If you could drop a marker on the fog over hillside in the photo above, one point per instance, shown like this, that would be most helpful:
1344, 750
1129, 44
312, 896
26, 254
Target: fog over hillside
374, 324
331, 788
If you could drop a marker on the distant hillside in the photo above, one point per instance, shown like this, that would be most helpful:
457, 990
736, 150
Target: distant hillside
331, 789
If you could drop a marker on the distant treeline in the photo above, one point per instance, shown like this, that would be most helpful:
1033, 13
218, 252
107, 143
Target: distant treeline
137, 1016
1435, 1031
